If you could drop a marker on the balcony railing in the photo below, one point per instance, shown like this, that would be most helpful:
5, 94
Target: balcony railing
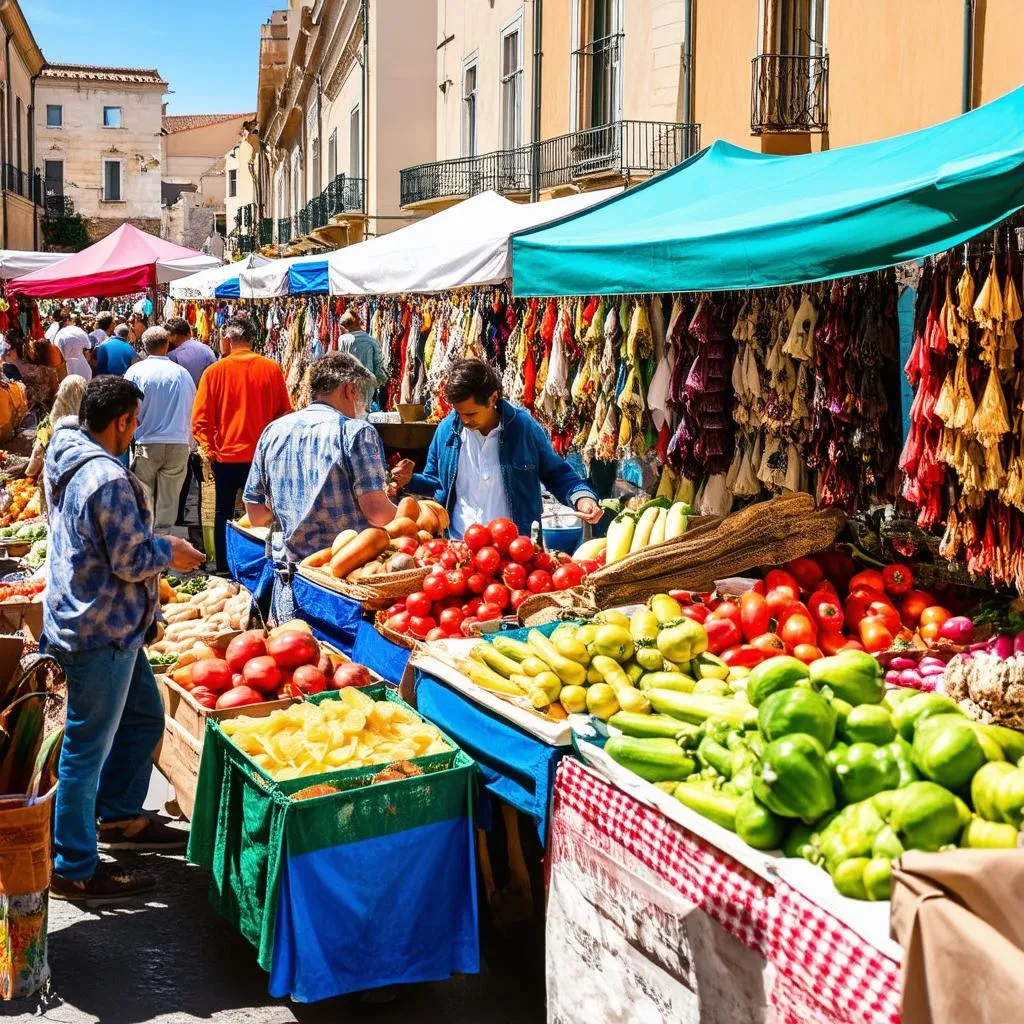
266, 231
625, 149
284, 230
789, 94
244, 244
56, 205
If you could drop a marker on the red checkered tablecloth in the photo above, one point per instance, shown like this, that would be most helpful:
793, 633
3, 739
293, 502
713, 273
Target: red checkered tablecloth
819, 970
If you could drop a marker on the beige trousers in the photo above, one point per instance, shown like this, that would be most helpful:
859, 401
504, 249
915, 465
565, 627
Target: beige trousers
162, 469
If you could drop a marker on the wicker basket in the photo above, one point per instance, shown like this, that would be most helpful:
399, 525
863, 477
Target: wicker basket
374, 593
410, 643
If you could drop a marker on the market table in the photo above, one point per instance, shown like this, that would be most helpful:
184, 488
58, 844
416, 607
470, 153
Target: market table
641, 909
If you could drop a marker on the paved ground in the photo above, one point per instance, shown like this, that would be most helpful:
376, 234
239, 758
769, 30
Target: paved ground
172, 959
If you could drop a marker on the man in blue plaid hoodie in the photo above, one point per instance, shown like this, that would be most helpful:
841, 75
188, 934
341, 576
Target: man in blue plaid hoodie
100, 602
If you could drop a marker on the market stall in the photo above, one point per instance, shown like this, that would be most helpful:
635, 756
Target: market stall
217, 282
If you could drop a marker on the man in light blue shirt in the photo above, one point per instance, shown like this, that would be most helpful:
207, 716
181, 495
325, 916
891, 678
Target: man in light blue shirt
165, 426
188, 351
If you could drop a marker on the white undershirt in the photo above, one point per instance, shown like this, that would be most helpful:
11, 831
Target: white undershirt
479, 488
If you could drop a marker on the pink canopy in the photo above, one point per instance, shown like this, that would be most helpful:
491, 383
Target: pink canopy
127, 260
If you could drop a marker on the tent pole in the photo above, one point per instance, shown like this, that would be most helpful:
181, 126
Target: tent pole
687, 75
538, 18
967, 83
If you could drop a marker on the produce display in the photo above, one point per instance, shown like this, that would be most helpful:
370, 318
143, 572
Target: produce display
26, 532
199, 609
254, 667
22, 591
21, 499
380, 550
813, 758
655, 522
353, 731
481, 578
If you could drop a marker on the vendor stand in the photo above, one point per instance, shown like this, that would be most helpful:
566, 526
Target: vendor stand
249, 561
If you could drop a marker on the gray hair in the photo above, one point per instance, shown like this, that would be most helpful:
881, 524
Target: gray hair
121, 331
239, 330
337, 369
154, 339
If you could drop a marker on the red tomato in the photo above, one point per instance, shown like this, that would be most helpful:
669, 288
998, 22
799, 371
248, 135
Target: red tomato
497, 594
503, 532
567, 576
488, 612
826, 610
913, 606
539, 582
418, 604
488, 560
754, 614
857, 604
779, 579
454, 583
852, 645
518, 597
588, 566
437, 547
543, 561
838, 567
768, 644
722, 633
435, 586
885, 611
697, 612
827, 587
744, 656
778, 600
831, 641
514, 576
421, 625
451, 620
399, 622
793, 608
868, 578
806, 572
806, 653
405, 545
898, 579
729, 610
874, 634
449, 560
466, 629
521, 550
477, 537
478, 582
472, 606
935, 615
799, 630
930, 631
437, 633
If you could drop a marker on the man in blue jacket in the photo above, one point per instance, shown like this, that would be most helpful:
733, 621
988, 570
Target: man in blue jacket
489, 458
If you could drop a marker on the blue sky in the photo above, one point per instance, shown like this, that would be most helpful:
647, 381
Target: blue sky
207, 50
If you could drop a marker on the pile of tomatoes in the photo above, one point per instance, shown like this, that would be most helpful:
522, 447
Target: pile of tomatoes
486, 575
817, 606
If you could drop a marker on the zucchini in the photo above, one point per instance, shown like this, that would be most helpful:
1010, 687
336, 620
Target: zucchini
713, 804
656, 760
667, 681
651, 726
697, 707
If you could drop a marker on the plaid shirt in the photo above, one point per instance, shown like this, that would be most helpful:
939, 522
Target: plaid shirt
104, 561
310, 468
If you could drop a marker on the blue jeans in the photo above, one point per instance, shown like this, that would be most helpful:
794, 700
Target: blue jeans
115, 720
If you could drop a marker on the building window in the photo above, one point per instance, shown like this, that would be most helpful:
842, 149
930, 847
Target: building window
54, 115
512, 85
296, 183
111, 181
332, 156
53, 184
793, 28
314, 155
596, 70
232, 184
17, 137
355, 143
469, 126
111, 117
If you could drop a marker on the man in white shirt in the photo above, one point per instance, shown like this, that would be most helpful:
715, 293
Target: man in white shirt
164, 433
74, 343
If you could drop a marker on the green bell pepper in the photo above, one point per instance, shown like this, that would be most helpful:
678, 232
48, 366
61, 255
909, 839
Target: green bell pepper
712, 754
715, 806
927, 817
947, 753
887, 844
877, 878
848, 878
797, 710
901, 751
800, 843
757, 825
997, 792
864, 770
774, 675
989, 835
919, 706
868, 723
853, 676
851, 833
792, 778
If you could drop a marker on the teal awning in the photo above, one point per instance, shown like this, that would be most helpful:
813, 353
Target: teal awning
729, 218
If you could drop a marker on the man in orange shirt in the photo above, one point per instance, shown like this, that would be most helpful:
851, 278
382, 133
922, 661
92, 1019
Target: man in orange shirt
237, 397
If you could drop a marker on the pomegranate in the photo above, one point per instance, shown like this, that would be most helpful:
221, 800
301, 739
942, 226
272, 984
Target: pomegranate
262, 674
245, 647
213, 674
238, 697
350, 674
293, 648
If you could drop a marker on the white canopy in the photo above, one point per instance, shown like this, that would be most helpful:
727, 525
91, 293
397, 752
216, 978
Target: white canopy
209, 284
15, 262
468, 244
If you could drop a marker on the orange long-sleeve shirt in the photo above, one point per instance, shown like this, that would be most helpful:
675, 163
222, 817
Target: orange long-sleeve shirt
237, 397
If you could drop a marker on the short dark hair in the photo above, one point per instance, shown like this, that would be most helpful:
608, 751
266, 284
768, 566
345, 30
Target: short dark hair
472, 378
106, 398
104, 320
240, 328
335, 369
350, 320
177, 325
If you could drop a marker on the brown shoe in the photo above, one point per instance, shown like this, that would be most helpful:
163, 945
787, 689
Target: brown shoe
109, 884
146, 832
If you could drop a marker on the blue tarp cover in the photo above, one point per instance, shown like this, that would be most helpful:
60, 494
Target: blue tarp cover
729, 218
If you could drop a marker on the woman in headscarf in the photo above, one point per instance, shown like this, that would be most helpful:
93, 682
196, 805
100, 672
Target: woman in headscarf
67, 403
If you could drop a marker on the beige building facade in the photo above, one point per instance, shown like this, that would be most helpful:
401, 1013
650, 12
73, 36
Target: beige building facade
343, 107
98, 144
240, 199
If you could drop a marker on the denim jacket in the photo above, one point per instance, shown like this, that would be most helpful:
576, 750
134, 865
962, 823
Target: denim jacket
527, 462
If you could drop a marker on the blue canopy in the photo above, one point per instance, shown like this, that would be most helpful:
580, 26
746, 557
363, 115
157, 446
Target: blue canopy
729, 218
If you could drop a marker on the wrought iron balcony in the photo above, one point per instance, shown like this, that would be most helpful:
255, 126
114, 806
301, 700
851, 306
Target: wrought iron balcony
284, 230
244, 244
789, 94
56, 205
622, 149
266, 231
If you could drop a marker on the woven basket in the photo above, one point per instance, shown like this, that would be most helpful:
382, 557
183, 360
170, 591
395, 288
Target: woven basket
356, 591
391, 586
410, 643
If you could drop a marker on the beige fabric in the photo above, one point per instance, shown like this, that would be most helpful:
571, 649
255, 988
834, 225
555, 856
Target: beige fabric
957, 916
162, 468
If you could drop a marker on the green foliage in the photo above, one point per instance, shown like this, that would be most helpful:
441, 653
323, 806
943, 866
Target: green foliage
65, 233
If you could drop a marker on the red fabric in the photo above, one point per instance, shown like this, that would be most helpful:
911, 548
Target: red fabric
123, 262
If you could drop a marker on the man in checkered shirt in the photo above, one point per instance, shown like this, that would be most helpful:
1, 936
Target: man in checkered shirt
100, 602
319, 471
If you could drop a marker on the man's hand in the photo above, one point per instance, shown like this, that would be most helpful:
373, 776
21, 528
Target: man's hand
402, 473
589, 510
184, 557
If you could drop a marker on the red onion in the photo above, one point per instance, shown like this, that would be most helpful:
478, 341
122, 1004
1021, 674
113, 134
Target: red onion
910, 677
1018, 643
901, 662
892, 677
1002, 647
959, 629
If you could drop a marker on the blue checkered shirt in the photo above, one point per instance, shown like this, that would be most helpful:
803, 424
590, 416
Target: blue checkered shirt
104, 562
310, 468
